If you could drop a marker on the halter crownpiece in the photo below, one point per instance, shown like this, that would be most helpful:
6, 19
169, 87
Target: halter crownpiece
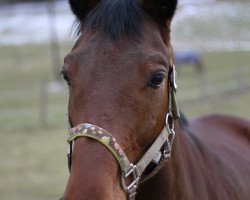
159, 152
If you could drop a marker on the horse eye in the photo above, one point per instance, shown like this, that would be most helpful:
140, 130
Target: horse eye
156, 81
65, 77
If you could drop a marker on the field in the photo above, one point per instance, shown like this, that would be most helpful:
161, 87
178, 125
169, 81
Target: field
33, 151
33, 156
224, 86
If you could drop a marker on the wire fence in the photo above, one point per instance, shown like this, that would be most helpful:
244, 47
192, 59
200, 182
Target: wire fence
212, 84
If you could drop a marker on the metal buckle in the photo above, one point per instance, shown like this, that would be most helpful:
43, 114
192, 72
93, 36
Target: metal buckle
170, 121
168, 145
157, 158
131, 188
171, 135
167, 150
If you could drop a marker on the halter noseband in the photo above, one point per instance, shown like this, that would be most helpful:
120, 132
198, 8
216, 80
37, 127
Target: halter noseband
158, 153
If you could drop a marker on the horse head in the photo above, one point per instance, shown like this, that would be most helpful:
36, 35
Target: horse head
118, 78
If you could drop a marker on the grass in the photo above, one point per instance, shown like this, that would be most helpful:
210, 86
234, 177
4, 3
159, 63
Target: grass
33, 157
33, 165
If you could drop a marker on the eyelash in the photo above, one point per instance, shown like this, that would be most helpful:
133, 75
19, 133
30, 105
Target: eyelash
65, 77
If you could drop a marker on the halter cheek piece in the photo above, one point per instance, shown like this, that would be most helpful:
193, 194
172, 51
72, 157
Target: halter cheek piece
158, 153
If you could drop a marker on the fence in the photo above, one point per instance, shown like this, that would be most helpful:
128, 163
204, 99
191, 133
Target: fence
213, 89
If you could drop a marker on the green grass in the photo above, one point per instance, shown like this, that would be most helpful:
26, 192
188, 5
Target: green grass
33, 157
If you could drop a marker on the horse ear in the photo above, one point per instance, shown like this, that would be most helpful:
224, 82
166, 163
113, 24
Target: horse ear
81, 8
162, 10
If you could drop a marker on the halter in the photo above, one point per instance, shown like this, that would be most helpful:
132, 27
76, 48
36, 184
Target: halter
158, 153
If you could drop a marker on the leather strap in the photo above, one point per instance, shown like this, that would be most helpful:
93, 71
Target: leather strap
153, 150
173, 106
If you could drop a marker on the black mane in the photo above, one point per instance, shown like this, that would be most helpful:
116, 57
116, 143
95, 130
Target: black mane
115, 18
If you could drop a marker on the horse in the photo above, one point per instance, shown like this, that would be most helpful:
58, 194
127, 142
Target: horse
125, 141
191, 57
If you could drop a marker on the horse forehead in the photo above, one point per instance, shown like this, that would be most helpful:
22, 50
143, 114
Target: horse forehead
127, 52
101, 54
106, 59
94, 50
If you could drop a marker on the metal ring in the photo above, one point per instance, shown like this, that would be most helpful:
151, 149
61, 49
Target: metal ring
130, 189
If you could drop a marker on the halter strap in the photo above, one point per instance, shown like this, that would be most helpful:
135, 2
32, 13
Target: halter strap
173, 106
128, 169
104, 137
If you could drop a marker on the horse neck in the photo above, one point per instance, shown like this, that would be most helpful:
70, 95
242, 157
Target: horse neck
173, 180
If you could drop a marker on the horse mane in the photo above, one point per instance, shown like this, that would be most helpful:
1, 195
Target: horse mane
115, 18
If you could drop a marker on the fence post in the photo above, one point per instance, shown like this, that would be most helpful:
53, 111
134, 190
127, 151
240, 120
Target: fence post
43, 104
54, 39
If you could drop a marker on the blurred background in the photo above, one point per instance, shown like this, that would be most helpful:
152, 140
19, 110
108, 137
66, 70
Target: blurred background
211, 39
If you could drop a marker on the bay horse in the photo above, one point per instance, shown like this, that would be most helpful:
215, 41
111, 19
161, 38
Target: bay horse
190, 57
122, 110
